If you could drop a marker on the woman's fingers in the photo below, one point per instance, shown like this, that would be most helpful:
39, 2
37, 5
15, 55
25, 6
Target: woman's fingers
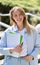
28, 58
18, 49
11, 50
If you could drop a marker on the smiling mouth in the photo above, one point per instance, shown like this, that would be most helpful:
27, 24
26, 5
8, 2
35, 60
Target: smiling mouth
19, 19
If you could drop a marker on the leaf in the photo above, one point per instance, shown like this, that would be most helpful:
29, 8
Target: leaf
12, 32
21, 38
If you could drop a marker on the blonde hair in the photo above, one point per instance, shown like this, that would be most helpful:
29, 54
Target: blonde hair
25, 22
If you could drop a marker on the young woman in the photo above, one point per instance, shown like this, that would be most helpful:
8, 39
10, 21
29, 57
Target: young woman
21, 26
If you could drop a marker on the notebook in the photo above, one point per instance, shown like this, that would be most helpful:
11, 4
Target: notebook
14, 39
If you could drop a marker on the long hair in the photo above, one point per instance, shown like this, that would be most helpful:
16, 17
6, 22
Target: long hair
25, 22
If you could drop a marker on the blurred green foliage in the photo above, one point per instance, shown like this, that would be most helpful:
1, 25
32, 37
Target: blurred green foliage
32, 6
22, 3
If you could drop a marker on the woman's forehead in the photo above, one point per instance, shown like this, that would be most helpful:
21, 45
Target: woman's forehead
17, 11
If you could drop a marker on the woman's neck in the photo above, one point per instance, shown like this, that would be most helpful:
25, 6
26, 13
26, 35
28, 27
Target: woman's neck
20, 27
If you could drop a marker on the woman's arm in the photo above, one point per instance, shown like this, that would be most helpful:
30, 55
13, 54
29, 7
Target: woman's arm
36, 49
17, 49
3, 41
3, 44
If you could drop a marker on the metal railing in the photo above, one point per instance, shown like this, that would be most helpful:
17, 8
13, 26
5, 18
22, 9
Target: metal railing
38, 17
6, 25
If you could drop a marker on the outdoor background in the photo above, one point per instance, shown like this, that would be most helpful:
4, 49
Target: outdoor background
32, 6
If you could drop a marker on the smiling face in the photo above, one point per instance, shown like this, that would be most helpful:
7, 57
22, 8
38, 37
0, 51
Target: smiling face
17, 16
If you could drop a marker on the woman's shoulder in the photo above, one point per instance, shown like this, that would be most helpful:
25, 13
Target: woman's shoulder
38, 27
33, 29
11, 28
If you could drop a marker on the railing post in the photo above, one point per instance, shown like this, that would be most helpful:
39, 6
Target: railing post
0, 25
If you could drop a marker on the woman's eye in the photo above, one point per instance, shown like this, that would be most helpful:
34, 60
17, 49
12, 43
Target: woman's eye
15, 15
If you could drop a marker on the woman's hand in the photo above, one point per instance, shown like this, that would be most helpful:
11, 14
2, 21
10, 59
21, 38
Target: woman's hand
17, 49
28, 58
12, 50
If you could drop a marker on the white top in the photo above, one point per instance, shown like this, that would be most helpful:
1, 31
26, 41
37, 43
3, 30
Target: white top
31, 41
38, 27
